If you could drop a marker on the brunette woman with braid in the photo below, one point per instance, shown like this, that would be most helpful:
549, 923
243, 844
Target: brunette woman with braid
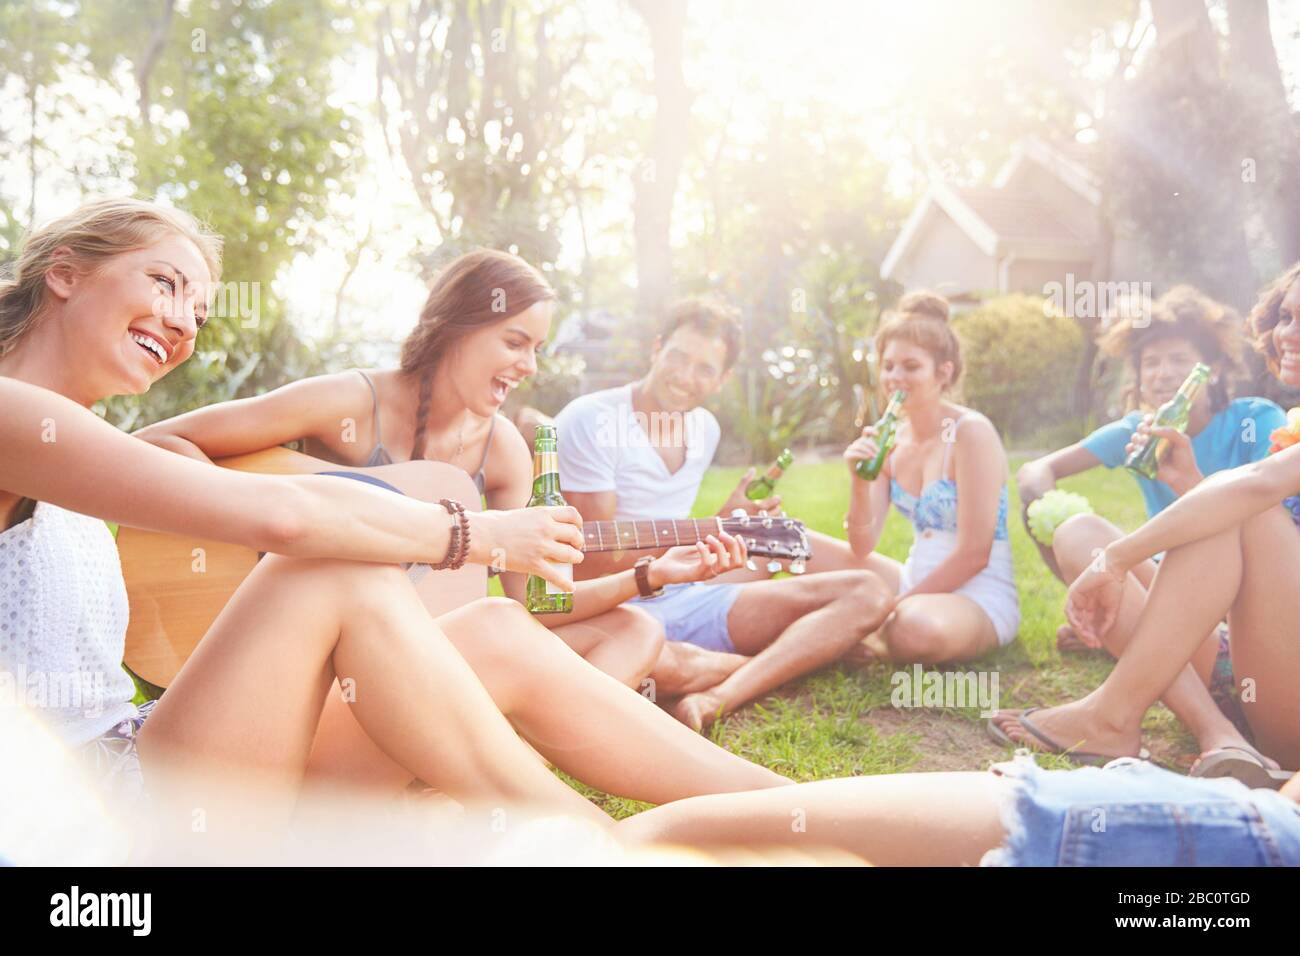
106, 301
486, 317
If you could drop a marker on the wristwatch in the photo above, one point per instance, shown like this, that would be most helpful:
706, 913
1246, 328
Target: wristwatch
642, 569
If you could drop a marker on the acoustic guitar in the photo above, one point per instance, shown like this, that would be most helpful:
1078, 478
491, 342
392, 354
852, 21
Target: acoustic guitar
178, 584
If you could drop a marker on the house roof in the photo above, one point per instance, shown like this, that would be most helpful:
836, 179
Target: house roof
1071, 163
1003, 220
1018, 217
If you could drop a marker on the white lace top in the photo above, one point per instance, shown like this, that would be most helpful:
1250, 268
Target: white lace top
63, 615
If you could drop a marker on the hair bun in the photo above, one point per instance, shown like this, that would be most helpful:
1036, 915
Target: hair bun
929, 305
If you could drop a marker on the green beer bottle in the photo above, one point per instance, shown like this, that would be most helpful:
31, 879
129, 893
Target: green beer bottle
886, 429
1172, 414
763, 486
542, 596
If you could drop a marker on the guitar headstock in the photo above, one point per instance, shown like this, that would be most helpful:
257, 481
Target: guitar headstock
776, 537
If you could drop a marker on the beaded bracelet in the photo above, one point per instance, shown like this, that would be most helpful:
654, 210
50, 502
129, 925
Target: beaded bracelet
460, 553
458, 545
463, 515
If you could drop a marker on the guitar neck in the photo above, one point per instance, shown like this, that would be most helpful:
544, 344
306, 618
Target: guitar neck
645, 535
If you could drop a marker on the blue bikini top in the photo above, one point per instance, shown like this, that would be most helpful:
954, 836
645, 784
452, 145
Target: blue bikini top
935, 509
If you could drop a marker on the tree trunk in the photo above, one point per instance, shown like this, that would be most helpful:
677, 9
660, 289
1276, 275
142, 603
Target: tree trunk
1274, 154
1184, 32
1187, 65
656, 180
149, 59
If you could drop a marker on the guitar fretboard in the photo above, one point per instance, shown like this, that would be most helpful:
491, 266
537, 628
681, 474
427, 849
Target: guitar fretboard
638, 535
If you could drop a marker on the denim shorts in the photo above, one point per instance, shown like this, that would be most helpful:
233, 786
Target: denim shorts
1133, 813
694, 613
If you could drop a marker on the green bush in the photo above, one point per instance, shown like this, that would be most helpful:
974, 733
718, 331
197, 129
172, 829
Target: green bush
1022, 362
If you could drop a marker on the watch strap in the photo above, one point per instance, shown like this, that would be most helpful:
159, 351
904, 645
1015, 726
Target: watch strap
642, 572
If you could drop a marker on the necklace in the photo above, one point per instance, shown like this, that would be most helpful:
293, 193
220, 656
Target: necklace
460, 441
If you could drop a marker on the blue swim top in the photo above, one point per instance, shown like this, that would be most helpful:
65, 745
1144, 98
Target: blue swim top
935, 509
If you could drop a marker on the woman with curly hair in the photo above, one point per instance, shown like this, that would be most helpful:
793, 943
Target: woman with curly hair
1230, 548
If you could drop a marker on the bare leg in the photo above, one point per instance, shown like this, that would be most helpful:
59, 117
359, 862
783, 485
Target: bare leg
1077, 542
792, 627
250, 697
906, 819
583, 720
578, 717
932, 628
1262, 623
1245, 571
624, 642
684, 668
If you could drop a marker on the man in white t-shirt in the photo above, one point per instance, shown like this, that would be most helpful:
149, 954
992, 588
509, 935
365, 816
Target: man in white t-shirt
640, 451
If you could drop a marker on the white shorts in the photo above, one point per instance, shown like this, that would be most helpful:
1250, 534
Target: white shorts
993, 589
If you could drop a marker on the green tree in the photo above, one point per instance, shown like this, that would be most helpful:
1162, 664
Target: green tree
234, 125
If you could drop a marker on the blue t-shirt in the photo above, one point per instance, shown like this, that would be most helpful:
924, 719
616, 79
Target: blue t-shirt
1235, 436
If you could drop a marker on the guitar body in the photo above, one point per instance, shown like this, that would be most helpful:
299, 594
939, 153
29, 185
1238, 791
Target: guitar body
177, 585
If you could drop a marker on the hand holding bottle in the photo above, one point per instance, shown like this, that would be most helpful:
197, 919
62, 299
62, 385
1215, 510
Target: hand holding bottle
528, 540
1177, 465
884, 434
863, 448
738, 499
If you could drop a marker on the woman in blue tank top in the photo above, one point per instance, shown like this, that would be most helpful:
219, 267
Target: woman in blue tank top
1231, 549
1162, 342
956, 593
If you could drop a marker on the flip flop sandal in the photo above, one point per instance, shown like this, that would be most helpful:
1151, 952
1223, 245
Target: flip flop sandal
1239, 763
1049, 745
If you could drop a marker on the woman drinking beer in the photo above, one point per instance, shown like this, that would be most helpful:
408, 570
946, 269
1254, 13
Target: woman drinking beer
956, 595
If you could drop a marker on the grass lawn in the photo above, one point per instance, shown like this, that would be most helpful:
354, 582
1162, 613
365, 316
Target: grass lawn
840, 722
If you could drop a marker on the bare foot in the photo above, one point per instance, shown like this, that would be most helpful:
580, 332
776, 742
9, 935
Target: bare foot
686, 669
698, 711
1073, 726
1068, 642
860, 654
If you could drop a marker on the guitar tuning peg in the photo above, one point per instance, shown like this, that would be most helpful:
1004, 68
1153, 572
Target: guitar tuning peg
787, 523
739, 513
750, 565
773, 566
767, 521
762, 513
798, 567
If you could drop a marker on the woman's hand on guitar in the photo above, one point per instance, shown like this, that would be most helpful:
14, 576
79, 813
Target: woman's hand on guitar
698, 562
527, 540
